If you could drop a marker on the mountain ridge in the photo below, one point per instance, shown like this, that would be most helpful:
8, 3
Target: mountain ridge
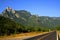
27, 19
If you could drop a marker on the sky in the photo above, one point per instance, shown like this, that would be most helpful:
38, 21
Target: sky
35, 7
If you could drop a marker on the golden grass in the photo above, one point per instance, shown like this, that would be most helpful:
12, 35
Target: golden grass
59, 33
23, 35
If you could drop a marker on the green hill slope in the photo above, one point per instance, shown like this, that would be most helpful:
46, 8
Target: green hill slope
7, 26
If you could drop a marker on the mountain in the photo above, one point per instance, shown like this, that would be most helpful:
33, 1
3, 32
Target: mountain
26, 19
21, 16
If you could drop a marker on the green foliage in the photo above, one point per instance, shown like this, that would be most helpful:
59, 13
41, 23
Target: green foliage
7, 26
58, 27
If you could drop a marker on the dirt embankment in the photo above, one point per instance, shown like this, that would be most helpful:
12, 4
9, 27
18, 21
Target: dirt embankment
23, 35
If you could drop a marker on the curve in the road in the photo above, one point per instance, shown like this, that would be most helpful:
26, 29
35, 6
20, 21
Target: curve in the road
49, 36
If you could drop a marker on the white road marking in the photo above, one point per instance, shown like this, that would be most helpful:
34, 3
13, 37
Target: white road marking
57, 35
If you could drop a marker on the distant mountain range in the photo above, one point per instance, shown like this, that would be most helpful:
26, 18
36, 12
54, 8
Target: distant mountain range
26, 19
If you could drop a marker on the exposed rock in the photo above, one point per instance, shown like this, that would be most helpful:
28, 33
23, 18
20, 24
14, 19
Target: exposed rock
8, 9
17, 15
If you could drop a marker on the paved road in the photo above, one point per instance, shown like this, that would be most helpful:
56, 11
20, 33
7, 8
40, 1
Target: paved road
48, 36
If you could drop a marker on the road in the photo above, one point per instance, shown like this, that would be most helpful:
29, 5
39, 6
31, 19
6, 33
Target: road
48, 36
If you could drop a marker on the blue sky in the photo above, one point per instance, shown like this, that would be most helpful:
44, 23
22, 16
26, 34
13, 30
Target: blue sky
38, 7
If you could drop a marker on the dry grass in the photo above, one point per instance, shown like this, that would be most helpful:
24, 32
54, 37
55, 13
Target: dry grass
23, 35
59, 33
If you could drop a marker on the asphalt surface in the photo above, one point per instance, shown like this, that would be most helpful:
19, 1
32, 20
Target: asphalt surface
48, 36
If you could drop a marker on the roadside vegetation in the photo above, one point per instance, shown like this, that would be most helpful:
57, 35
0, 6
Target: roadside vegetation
8, 27
58, 27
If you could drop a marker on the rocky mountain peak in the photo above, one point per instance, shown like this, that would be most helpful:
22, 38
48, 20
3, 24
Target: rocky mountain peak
8, 9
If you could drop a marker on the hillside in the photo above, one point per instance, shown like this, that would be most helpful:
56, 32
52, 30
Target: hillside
7, 26
26, 19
